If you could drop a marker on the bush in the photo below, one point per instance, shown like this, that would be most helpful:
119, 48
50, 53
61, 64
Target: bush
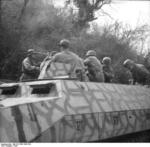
43, 26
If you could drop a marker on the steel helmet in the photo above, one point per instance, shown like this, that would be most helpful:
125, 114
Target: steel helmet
106, 60
91, 53
64, 43
30, 51
128, 63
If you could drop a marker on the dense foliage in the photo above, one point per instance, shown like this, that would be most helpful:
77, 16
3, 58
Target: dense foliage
41, 26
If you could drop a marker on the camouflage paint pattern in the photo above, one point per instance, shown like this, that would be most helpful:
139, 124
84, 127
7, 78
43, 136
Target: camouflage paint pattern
54, 69
59, 70
74, 111
71, 111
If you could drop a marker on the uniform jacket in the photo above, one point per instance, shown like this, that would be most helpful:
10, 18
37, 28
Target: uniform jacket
108, 73
95, 67
70, 57
140, 74
29, 70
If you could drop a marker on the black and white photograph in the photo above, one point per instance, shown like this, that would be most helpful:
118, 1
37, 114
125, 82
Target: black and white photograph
74, 71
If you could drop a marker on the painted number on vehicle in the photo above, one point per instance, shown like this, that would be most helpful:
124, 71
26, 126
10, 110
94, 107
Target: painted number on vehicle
79, 125
115, 120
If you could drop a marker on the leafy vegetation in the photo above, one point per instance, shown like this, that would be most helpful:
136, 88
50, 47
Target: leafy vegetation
32, 24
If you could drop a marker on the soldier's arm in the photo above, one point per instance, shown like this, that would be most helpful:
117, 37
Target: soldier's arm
28, 66
82, 63
55, 58
47, 58
112, 72
86, 62
108, 72
145, 70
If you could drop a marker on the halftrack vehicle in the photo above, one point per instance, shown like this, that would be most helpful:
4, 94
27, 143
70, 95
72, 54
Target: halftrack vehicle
56, 108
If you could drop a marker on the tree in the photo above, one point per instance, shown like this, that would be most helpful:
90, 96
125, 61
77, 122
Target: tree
10, 33
23, 8
0, 12
86, 11
42, 26
31, 31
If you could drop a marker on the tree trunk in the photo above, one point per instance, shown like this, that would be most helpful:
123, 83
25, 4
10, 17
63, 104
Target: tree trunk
0, 13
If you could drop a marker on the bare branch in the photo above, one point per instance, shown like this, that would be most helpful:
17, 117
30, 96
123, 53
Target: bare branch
23, 9
105, 13
102, 3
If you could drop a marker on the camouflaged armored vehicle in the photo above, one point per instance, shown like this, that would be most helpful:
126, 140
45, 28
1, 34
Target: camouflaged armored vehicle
58, 109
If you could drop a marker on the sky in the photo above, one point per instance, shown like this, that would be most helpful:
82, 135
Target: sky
131, 12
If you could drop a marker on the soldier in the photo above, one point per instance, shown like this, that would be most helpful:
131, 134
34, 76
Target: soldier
67, 56
107, 69
147, 61
94, 67
139, 73
29, 69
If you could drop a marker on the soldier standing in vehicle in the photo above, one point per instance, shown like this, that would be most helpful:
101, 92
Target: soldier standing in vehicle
147, 61
107, 69
94, 67
29, 69
68, 57
139, 73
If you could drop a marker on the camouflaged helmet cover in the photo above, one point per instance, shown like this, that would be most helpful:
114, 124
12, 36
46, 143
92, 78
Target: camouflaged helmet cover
106, 60
91, 53
128, 63
64, 43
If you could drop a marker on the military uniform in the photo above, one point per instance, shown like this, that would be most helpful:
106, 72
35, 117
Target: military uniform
29, 70
108, 73
107, 69
147, 61
139, 73
77, 66
94, 68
